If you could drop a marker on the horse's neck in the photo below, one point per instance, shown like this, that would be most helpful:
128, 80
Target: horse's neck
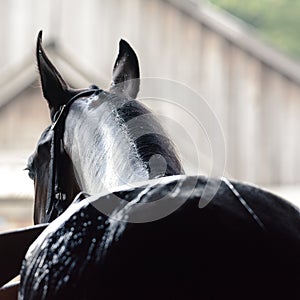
112, 145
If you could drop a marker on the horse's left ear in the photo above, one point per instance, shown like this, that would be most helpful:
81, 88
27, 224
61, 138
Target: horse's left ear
55, 89
126, 73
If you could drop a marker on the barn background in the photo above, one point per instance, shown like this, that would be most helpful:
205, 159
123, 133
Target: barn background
253, 90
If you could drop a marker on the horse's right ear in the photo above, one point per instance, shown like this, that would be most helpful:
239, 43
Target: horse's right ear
55, 89
126, 73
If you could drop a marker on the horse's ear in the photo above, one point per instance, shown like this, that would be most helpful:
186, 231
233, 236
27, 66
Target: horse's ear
126, 72
55, 89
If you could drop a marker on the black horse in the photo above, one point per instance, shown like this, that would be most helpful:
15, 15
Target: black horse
146, 240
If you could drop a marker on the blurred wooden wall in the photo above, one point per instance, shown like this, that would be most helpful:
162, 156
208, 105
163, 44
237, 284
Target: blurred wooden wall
252, 89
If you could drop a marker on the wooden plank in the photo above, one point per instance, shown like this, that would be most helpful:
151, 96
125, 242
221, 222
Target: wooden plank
242, 115
15, 247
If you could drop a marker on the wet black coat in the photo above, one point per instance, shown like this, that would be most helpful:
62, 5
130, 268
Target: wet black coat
216, 252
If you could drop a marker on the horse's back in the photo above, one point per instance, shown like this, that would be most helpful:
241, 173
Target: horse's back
215, 252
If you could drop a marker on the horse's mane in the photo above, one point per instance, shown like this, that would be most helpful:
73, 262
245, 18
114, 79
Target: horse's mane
151, 141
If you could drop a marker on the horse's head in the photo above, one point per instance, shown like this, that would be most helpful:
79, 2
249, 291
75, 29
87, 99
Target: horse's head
98, 139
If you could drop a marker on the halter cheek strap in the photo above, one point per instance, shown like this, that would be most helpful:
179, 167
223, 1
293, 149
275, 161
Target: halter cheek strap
57, 195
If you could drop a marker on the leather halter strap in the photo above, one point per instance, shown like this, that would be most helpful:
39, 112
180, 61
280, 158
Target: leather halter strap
56, 195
